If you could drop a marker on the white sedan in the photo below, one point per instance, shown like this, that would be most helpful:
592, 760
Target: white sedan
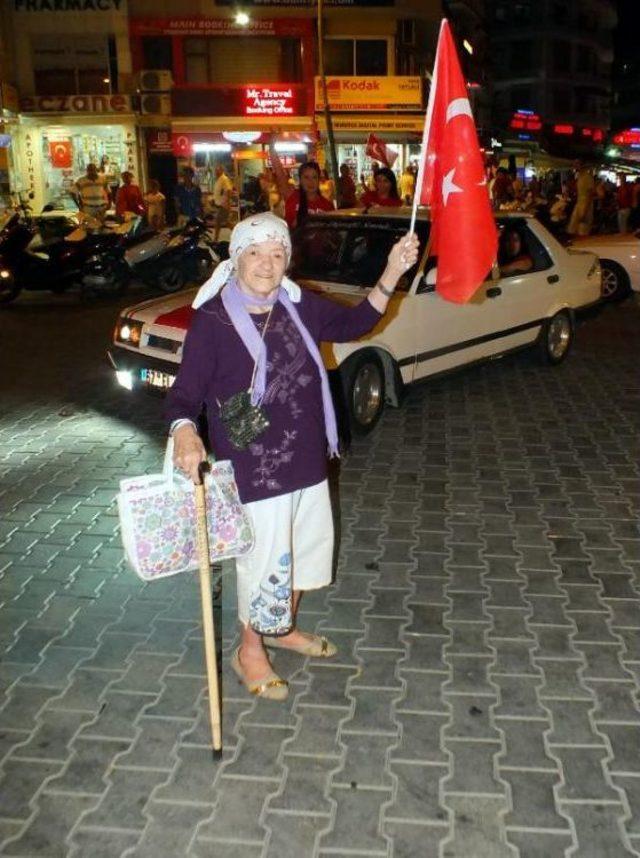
620, 261
532, 301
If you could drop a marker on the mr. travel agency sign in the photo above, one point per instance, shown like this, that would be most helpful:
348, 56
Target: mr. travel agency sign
69, 5
269, 101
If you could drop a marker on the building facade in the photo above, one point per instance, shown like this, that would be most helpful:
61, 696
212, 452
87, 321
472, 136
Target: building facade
552, 74
153, 85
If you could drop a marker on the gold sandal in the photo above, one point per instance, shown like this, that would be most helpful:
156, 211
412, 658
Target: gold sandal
271, 687
316, 646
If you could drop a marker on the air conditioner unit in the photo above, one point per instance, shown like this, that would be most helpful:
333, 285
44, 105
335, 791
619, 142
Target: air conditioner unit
155, 102
155, 81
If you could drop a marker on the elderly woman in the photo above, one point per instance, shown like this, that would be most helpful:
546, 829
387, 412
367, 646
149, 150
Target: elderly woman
252, 351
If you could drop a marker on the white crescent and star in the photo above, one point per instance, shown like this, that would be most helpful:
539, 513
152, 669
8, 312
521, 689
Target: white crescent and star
456, 107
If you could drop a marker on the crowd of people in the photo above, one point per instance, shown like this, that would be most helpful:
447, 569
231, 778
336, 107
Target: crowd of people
573, 202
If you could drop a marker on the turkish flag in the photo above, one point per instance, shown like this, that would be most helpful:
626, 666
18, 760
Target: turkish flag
452, 181
379, 151
61, 154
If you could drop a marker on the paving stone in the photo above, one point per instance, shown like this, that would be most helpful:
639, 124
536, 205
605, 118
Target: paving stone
122, 804
378, 670
356, 826
304, 786
51, 738
594, 628
561, 679
422, 692
470, 719
553, 642
258, 753
533, 803
571, 724
615, 701
420, 737
171, 829
541, 844
525, 745
372, 713
291, 836
100, 843
584, 777
624, 740
469, 676
238, 813
475, 828
468, 639
328, 685
598, 831
20, 781
23, 705
155, 743
426, 653
472, 765
318, 732
87, 766
417, 796
47, 832
631, 787
144, 673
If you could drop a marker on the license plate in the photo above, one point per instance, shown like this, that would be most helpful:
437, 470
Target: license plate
155, 378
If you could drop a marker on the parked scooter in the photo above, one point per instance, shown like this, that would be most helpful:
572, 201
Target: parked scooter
166, 260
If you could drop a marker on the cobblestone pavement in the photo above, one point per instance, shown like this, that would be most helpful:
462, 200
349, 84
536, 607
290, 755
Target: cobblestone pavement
485, 699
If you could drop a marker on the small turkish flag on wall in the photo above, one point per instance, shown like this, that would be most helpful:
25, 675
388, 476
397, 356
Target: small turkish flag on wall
61, 154
379, 151
452, 181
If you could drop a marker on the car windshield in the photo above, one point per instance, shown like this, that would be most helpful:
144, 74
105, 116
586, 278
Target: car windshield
350, 251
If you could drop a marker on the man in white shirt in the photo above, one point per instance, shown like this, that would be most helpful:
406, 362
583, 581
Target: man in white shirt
92, 194
222, 188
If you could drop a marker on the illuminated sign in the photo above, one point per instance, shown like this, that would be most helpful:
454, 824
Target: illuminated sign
563, 129
76, 104
630, 137
525, 120
371, 93
269, 101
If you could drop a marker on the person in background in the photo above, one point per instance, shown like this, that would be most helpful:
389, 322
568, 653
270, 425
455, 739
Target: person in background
188, 198
634, 218
502, 188
155, 201
371, 181
407, 185
93, 198
222, 189
581, 220
327, 187
299, 202
625, 204
129, 197
386, 192
346, 188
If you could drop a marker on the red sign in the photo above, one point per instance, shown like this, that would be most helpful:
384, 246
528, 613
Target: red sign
205, 26
525, 121
61, 154
628, 138
563, 129
159, 141
76, 104
270, 101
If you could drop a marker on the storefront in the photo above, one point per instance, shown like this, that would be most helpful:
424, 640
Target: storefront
389, 107
60, 135
9, 178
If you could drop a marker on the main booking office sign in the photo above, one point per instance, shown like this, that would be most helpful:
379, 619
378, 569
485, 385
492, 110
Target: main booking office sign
291, 3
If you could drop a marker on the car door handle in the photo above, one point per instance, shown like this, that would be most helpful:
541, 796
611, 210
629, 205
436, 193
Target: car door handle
494, 291
553, 278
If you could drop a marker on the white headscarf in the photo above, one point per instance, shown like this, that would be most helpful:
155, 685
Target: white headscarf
253, 230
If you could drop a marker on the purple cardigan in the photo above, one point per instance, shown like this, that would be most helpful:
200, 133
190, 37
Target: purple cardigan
291, 453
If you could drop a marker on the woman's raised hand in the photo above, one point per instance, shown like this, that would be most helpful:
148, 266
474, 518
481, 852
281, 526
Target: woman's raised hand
188, 451
403, 254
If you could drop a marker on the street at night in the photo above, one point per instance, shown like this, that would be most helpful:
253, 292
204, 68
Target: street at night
486, 608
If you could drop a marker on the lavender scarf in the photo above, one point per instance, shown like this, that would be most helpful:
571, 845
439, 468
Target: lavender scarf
235, 302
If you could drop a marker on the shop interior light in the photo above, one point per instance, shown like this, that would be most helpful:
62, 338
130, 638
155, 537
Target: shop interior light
242, 136
212, 147
242, 19
291, 147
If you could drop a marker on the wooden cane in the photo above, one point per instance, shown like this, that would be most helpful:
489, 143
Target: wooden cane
207, 613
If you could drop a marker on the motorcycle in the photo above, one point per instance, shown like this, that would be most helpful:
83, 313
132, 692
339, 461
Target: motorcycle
165, 260
49, 252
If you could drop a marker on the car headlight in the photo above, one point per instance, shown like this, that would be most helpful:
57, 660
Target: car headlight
128, 331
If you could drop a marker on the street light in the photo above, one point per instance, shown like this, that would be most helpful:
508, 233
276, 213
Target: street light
468, 47
242, 19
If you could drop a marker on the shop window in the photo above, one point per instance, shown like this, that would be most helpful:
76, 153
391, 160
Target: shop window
65, 66
157, 52
238, 60
346, 57
371, 56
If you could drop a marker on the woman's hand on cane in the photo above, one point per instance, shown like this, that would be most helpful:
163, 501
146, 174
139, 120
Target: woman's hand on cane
188, 451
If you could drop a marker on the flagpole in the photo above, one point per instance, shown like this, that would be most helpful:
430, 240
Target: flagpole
425, 135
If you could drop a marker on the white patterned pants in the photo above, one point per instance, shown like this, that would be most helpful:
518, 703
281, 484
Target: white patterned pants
293, 551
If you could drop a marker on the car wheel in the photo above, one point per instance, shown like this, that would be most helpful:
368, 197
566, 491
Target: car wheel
364, 388
615, 281
556, 338
170, 279
9, 289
